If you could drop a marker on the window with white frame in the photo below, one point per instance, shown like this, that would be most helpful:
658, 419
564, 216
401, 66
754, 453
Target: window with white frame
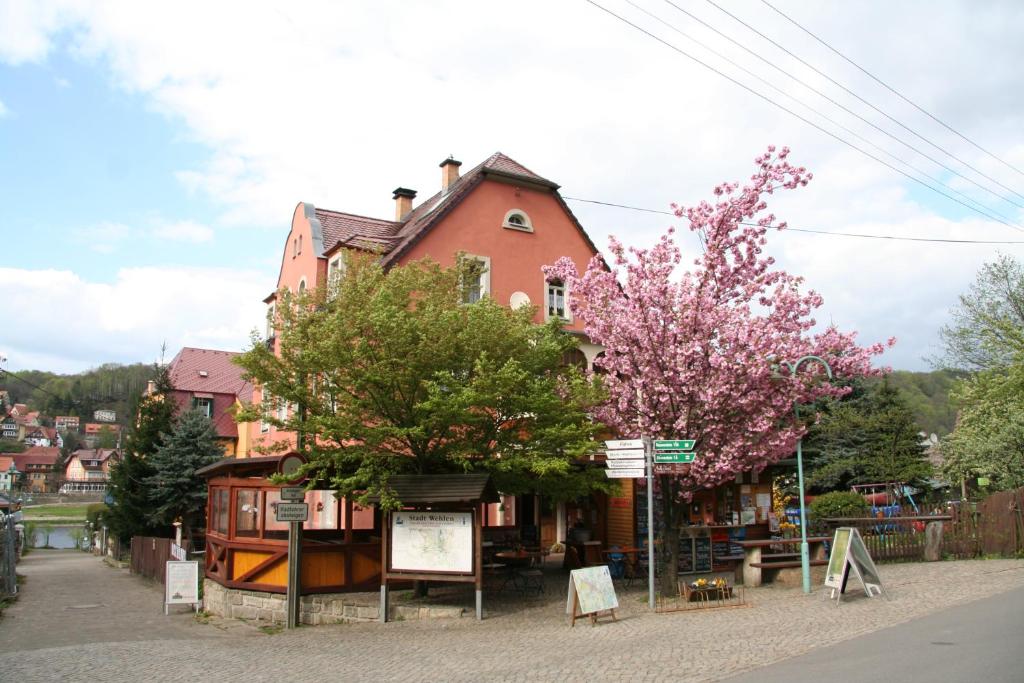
203, 405
335, 271
270, 320
302, 286
266, 405
282, 409
556, 301
517, 219
477, 283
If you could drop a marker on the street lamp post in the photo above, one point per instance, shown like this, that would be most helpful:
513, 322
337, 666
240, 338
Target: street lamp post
805, 554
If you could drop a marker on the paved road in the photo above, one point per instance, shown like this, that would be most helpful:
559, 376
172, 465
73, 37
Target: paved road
72, 598
979, 641
78, 619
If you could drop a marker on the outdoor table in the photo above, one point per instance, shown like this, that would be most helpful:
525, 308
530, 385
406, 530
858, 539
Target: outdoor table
519, 573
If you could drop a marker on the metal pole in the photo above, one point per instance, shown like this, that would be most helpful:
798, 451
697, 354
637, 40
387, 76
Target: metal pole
805, 555
294, 573
649, 457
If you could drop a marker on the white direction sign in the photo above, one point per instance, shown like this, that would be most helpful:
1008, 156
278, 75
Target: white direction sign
624, 464
625, 454
292, 512
624, 443
635, 473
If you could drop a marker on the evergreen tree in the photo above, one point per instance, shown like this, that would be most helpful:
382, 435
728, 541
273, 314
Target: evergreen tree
871, 437
129, 493
175, 491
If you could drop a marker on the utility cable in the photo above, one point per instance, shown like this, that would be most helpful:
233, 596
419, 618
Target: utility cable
893, 90
798, 116
840, 105
812, 109
808, 230
880, 111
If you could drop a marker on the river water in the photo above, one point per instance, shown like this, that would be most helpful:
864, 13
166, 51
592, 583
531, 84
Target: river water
59, 537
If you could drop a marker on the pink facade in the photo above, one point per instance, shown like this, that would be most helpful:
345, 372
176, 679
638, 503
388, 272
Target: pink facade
513, 220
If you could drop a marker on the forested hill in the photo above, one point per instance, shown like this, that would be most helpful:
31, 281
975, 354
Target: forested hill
927, 395
110, 386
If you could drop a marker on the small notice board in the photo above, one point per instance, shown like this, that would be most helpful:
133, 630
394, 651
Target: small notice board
181, 584
849, 552
591, 593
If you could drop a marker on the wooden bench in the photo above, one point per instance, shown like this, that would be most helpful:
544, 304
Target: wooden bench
759, 566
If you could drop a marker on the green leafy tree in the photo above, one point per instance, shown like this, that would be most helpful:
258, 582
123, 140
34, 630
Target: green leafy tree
106, 438
11, 446
870, 437
175, 492
989, 438
129, 493
987, 327
390, 373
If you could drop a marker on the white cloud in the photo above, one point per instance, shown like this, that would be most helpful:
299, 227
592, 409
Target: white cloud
184, 231
337, 103
129, 319
104, 237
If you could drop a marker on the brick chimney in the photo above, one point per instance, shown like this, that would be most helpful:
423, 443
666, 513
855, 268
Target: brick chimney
403, 202
449, 173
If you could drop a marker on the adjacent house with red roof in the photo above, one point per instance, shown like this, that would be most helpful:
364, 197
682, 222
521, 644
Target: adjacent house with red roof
38, 464
43, 436
8, 472
88, 470
206, 380
500, 213
65, 423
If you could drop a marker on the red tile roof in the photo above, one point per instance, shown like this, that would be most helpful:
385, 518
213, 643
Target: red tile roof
5, 462
394, 238
37, 455
208, 371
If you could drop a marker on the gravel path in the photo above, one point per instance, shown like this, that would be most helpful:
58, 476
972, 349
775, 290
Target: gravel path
51, 634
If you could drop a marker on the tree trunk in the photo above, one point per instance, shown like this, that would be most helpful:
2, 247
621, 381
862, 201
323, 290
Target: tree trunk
667, 553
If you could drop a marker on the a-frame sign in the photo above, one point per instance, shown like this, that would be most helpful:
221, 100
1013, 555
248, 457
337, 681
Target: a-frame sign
849, 552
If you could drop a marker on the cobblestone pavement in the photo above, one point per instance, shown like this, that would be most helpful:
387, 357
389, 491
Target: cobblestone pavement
530, 643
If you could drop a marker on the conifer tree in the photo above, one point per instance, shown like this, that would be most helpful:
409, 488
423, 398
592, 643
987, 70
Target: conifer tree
129, 513
175, 492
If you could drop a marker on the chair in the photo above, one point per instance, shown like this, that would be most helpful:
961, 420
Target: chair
616, 563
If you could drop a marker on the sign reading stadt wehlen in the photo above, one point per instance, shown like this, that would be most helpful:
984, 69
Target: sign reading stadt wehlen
432, 542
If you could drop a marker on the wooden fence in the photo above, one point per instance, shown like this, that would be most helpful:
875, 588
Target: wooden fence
993, 526
150, 556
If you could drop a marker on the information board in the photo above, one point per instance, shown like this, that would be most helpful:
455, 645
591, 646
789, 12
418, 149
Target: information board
439, 542
850, 553
591, 591
181, 584
292, 512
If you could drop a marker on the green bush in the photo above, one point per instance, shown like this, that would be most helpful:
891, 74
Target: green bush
94, 513
839, 504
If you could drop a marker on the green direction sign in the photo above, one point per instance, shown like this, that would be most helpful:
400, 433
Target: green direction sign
675, 445
675, 457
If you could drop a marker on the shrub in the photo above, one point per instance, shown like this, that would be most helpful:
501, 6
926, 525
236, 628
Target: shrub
839, 504
94, 513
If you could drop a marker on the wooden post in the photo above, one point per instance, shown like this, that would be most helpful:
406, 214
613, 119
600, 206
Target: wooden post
294, 594
933, 542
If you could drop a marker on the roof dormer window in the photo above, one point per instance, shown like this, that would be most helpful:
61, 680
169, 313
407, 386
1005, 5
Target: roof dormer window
516, 219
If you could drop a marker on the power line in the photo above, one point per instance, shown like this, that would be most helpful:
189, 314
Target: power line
808, 230
850, 92
798, 116
812, 109
893, 90
842, 106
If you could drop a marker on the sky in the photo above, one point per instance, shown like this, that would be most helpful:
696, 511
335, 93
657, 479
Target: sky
151, 155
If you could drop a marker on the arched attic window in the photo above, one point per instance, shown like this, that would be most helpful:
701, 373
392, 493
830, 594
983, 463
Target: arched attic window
517, 219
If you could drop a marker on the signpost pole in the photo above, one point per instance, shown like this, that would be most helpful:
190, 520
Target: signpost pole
294, 573
649, 458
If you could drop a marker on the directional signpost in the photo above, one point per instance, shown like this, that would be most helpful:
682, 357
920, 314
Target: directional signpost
675, 445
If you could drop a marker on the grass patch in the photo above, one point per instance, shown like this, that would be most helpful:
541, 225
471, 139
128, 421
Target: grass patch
272, 629
72, 511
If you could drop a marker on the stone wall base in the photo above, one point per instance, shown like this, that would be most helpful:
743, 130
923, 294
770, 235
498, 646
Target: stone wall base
326, 608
